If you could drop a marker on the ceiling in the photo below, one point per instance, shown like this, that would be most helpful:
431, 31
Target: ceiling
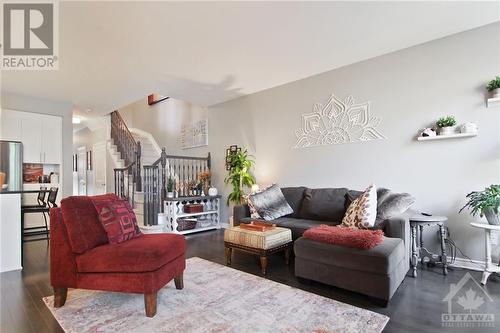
112, 54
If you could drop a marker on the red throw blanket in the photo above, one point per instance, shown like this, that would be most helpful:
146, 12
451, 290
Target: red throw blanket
349, 237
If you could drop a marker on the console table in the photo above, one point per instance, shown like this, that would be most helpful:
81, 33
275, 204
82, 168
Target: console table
489, 267
208, 219
420, 252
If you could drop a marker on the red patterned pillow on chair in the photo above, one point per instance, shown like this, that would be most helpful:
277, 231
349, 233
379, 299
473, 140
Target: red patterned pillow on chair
117, 218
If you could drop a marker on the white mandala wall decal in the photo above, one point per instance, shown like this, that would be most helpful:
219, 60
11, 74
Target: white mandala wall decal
337, 122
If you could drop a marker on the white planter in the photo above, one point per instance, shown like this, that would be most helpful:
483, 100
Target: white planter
496, 93
449, 130
170, 195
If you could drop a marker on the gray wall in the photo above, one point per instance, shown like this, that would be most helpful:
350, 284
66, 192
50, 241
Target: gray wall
55, 108
408, 89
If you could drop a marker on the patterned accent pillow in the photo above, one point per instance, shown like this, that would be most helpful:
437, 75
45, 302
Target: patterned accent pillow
118, 219
253, 212
362, 212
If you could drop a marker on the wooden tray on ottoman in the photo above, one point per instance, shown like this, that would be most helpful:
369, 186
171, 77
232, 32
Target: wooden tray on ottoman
258, 225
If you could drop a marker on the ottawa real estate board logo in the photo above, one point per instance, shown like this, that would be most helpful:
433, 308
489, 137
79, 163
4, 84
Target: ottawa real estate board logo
30, 35
467, 304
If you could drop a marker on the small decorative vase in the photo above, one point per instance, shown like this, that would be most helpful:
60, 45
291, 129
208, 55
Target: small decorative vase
496, 93
468, 128
448, 130
212, 191
492, 217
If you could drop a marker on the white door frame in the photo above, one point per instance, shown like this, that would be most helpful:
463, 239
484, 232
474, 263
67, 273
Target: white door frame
98, 161
82, 169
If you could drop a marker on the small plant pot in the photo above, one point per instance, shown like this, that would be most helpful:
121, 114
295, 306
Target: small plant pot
170, 195
496, 93
449, 130
492, 217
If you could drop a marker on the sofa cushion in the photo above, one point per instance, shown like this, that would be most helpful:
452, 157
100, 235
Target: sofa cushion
382, 259
270, 203
325, 204
298, 226
118, 219
82, 224
146, 253
294, 196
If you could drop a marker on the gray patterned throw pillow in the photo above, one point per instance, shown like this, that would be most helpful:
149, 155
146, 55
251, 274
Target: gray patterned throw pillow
270, 203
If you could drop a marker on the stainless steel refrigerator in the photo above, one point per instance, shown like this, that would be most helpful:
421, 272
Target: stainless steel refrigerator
11, 166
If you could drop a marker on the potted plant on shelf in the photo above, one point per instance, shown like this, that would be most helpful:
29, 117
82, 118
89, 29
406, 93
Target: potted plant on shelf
446, 125
485, 203
239, 175
494, 87
170, 187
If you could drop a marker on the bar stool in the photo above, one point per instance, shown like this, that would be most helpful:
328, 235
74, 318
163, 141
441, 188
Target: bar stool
44, 208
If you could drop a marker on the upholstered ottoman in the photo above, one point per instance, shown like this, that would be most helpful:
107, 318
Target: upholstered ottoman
376, 272
261, 243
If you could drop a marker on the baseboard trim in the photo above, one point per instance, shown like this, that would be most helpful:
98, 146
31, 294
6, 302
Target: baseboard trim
474, 265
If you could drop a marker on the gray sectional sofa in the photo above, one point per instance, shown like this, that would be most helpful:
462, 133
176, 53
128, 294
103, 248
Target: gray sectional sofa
376, 272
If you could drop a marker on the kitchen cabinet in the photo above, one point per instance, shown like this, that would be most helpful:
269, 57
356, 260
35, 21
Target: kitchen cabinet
31, 137
40, 134
11, 125
51, 139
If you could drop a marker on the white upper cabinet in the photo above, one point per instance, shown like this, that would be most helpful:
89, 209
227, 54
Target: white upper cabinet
31, 136
40, 134
10, 125
51, 139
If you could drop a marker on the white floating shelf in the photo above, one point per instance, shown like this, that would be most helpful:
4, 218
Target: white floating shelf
442, 137
492, 102
198, 214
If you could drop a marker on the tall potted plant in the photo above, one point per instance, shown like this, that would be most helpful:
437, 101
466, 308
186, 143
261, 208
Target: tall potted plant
485, 203
494, 87
239, 175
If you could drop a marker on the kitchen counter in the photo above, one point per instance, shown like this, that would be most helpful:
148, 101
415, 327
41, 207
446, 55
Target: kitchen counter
10, 231
23, 191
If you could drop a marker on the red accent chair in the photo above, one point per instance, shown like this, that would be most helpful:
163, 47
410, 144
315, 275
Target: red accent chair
81, 257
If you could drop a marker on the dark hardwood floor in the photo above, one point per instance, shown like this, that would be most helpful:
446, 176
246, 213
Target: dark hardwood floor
416, 307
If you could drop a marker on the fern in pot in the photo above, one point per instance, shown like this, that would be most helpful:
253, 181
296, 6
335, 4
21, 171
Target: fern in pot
485, 203
446, 125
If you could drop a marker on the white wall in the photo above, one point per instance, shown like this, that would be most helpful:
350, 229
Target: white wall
164, 121
408, 89
56, 108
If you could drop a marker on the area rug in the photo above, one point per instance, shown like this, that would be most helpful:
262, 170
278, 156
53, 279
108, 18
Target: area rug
215, 298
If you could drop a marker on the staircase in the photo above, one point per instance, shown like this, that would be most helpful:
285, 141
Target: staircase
150, 153
142, 171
